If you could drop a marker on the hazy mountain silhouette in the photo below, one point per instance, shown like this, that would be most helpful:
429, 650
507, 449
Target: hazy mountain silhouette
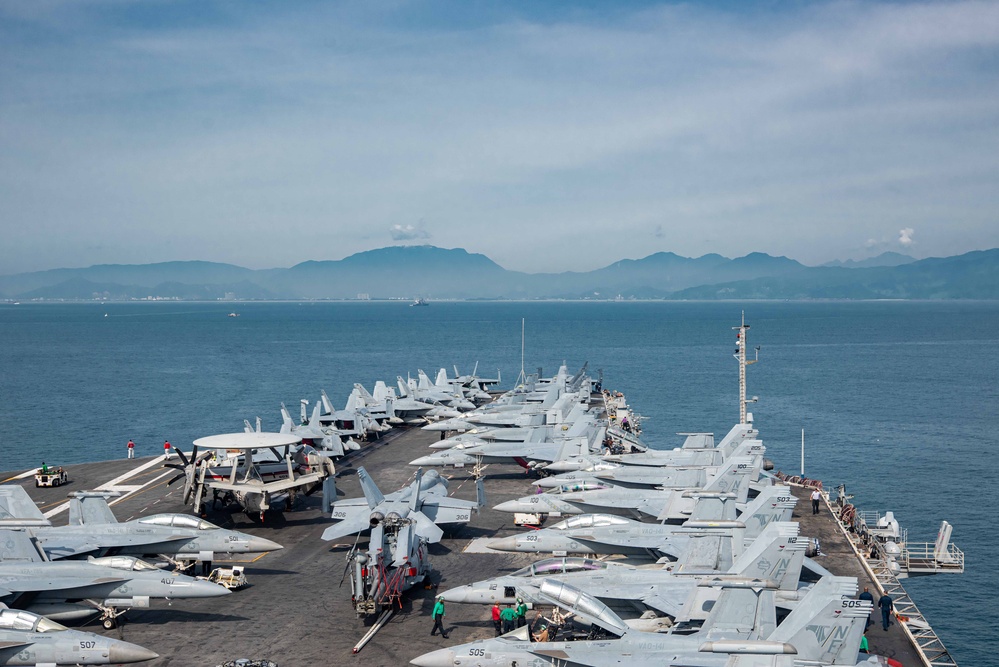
884, 259
406, 272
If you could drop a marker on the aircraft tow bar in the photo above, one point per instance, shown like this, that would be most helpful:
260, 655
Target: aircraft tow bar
378, 625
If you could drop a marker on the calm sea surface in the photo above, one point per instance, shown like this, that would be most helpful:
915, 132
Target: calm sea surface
898, 400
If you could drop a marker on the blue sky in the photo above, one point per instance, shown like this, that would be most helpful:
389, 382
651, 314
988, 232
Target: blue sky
548, 136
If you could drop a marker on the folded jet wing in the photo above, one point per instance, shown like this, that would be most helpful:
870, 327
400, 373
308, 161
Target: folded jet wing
424, 500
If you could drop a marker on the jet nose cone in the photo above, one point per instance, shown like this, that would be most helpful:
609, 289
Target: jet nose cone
436, 426
455, 594
120, 652
425, 461
206, 589
504, 543
440, 658
443, 444
261, 544
515, 506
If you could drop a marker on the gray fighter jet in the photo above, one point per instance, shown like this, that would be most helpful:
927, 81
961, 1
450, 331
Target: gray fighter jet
584, 497
424, 501
66, 590
643, 472
697, 449
93, 530
30, 639
581, 437
612, 534
778, 555
743, 615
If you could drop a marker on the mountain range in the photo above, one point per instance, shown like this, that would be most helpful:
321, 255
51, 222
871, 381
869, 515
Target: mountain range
407, 272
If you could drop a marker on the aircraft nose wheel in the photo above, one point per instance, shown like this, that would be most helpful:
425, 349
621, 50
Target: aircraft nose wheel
109, 624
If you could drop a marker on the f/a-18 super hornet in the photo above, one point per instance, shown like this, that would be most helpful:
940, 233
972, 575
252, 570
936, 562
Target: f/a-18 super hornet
523, 410
584, 497
743, 616
670, 589
305, 471
94, 530
542, 445
397, 556
423, 502
697, 449
641, 470
31, 639
604, 534
69, 589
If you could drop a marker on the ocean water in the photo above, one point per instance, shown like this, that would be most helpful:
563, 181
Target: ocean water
898, 400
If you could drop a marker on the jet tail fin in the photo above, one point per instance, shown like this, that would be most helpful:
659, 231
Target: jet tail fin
17, 509
744, 606
91, 508
774, 503
778, 554
20, 545
370, 489
735, 477
827, 624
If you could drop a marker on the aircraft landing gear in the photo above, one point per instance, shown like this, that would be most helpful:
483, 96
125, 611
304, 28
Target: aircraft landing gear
109, 617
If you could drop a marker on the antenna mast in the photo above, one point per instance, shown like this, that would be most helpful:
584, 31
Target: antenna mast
522, 378
740, 355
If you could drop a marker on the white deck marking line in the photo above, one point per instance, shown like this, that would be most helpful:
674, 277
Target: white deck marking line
105, 487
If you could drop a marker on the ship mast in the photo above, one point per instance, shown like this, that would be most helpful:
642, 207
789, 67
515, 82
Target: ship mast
740, 355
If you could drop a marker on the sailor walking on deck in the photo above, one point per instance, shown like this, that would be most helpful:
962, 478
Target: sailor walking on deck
521, 613
131, 449
438, 615
816, 496
166, 449
887, 605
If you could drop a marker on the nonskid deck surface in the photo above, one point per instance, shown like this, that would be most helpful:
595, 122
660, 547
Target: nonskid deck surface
296, 611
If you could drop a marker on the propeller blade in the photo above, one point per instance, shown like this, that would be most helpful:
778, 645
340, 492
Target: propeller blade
197, 498
188, 486
183, 458
176, 477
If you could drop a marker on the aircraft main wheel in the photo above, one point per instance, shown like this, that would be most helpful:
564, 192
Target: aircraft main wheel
108, 623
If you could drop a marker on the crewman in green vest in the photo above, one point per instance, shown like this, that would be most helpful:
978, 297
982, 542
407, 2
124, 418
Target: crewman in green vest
509, 618
521, 613
438, 615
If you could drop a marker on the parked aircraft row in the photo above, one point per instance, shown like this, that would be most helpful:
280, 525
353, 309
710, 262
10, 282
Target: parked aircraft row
730, 580
95, 565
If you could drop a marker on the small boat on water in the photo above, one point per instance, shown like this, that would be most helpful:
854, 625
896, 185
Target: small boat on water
234, 314
420, 302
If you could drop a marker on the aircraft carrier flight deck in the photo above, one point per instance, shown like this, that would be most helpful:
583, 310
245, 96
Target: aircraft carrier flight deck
297, 611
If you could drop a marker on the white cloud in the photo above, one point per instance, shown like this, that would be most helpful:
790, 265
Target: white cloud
409, 232
905, 237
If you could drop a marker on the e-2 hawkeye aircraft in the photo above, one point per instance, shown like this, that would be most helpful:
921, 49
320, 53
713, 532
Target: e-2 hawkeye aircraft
306, 471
